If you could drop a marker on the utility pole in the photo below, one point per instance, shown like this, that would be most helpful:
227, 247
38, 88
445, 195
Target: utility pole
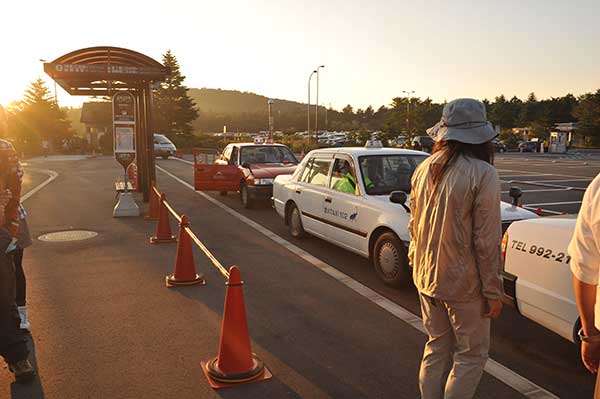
270, 140
408, 93
308, 105
317, 103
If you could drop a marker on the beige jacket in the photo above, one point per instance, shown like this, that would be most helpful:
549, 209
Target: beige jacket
456, 231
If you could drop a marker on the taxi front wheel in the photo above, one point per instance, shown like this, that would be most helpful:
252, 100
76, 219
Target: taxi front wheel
245, 197
390, 260
295, 224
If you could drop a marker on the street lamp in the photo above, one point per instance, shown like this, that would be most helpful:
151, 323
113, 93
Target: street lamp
270, 140
408, 93
308, 106
317, 103
55, 97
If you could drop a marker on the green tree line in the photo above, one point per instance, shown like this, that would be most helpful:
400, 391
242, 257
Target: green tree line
182, 113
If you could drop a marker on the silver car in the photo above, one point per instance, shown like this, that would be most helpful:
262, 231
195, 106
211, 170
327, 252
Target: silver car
163, 147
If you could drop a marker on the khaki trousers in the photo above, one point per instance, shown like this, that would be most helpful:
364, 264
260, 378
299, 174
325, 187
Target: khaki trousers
457, 349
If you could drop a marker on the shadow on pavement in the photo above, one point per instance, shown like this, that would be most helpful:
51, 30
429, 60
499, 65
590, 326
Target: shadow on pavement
270, 342
270, 388
34, 389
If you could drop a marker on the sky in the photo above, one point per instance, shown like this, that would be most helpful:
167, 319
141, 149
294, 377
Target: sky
372, 50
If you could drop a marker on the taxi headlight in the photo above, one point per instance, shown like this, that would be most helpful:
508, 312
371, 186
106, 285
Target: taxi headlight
262, 182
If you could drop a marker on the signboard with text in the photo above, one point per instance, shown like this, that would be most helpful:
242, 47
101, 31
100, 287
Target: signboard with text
124, 127
124, 107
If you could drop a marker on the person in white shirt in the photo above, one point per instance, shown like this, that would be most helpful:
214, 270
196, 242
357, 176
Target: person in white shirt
584, 250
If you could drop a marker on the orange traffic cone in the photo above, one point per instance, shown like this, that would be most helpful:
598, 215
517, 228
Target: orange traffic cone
235, 363
153, 208
163, 228
185, 271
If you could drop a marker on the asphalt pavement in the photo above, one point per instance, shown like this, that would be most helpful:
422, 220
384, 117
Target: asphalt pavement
104, 325
525, 347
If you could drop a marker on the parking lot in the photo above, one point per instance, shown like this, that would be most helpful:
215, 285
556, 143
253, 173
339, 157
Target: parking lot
553, 183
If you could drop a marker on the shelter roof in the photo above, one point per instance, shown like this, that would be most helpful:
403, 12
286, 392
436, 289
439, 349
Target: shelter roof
103, 70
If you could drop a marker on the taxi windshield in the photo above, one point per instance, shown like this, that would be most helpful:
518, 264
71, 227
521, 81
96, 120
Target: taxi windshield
383, 174
267, 154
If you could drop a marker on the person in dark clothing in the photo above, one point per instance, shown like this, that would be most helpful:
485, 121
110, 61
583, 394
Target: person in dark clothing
13, 343
23, 241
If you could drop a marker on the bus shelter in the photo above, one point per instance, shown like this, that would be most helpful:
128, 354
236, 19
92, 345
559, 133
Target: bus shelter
104, 71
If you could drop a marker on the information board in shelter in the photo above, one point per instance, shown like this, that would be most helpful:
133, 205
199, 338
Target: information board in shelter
123, 107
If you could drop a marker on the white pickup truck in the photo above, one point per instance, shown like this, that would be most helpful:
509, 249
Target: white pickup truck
537, 275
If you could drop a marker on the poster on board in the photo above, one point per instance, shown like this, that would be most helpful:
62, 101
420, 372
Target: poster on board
124, 138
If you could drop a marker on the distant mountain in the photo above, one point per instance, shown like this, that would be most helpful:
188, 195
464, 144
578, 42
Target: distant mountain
239, 112
247, 112
236, 102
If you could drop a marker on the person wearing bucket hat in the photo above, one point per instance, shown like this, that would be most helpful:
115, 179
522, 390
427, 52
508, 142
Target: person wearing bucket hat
455, 230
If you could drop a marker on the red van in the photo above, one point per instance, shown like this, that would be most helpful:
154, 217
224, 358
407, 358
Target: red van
245, 167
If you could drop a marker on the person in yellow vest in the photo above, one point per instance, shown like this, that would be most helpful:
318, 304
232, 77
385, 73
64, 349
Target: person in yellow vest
347, 181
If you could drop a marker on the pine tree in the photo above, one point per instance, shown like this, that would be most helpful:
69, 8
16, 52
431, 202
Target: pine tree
37, 117
174, 108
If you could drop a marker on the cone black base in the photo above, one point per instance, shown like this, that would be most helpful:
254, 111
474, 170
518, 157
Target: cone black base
252, 374
154, 240
172, 282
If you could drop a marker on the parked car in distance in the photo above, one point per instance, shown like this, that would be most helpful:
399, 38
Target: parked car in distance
529, 146
163, 147
537, 276
245, 167
499, 146
422, 143
357, 198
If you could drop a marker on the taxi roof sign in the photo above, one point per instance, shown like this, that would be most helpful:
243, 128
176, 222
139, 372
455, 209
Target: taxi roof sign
373, 144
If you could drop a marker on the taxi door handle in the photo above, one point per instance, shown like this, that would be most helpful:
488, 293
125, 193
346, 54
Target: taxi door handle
328, 200
298, 191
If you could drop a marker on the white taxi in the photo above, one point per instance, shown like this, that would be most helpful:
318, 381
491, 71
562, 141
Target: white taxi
537, 275
357, 198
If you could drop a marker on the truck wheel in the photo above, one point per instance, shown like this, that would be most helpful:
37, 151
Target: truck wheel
245, 197
295, 225
390, 261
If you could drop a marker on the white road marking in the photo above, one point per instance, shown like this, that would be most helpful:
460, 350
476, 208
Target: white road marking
543, 174
497, 370
542, 190
513, 176
52, 175
560, 180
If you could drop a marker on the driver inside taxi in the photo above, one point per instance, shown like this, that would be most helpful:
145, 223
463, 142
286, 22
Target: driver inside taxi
346, 180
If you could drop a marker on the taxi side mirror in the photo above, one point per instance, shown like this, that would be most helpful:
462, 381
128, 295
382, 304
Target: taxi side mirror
399, 197
515, 193
246, 165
